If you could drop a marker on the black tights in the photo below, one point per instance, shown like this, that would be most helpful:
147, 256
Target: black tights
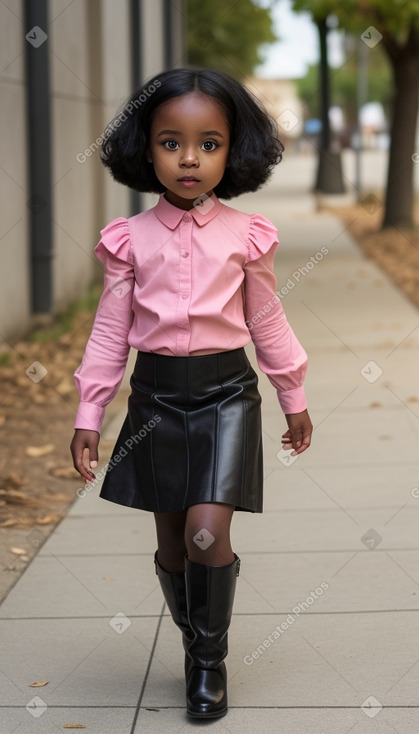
201, 531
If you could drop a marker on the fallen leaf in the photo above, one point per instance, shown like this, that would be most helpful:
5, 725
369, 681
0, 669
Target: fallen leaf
36, 451
65, 387
48, 519
13, 522
64, 472
73, 726
14, 497
8, 523
21, 381
18, 551
16, 480
39, 684
39, 399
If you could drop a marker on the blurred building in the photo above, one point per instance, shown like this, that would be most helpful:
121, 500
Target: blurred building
281, 100
66, 67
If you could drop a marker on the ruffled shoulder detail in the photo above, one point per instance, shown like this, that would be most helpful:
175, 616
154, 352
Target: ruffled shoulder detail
115, 239
262, 235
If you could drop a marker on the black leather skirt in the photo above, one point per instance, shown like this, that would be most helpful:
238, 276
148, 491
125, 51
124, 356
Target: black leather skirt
192, 434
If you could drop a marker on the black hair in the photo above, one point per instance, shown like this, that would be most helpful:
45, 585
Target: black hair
254, 145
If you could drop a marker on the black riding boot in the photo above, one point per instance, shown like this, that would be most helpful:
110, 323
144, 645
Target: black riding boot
174, 592
210, 595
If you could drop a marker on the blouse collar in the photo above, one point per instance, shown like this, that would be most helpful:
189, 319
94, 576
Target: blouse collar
171, 215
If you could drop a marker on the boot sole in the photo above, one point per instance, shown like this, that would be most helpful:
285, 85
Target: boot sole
210, 715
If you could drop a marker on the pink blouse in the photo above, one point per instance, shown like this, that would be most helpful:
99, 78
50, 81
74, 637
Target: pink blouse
187, 283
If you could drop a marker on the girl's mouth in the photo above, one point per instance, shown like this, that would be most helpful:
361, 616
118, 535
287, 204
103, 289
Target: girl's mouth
188, 181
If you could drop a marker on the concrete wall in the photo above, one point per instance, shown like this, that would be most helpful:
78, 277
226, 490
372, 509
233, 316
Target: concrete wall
14, 272
90, 77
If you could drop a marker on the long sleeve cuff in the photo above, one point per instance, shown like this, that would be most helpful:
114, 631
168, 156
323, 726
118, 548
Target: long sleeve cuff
89, 416
292, 401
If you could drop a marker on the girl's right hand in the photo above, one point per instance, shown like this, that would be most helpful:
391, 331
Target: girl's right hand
82, 440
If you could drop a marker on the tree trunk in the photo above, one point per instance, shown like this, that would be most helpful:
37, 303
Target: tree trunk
400, 189
329, 178
324, 84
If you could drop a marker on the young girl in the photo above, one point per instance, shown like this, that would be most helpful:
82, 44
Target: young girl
188, 283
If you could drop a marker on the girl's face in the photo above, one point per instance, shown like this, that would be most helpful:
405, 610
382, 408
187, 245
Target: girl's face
189, 147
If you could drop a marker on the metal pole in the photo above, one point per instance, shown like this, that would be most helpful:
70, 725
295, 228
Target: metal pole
39, 154
167, 33
136, 199
362, 96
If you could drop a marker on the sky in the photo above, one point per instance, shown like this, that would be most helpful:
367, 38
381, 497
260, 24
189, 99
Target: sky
298, 47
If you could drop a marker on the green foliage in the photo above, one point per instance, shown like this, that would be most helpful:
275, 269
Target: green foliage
228, 36
398, 23
63, 323
343, 84
394, 16
5, 360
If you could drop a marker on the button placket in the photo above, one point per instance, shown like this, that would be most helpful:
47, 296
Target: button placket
185, 282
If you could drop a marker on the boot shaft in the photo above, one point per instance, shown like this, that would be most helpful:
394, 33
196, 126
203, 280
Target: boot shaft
210, 594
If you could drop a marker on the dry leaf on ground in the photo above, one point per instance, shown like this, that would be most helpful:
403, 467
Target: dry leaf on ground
14, 497
36, 451
15, 480
64, 472
18, 523
48, 519
39, 684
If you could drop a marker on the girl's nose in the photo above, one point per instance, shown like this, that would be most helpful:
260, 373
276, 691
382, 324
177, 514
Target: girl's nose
189, 158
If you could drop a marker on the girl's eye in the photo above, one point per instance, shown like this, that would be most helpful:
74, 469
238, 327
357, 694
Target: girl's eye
170, 144
209, 145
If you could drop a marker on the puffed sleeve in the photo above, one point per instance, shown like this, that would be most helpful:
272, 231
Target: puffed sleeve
105, 357
262, 235
279, 354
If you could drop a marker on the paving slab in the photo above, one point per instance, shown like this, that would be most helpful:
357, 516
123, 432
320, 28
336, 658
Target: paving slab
95, 719
90, 663
305, 666
132, 533
86, 586
292, 720
317, 530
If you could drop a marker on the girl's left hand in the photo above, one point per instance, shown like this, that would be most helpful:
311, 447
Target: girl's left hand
298, 436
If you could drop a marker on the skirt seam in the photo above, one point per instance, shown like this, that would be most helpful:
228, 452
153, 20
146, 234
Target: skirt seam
217, 434
244, 460
187, 458
153, 472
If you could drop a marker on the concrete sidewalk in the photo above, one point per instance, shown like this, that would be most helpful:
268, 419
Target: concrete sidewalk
325, 634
